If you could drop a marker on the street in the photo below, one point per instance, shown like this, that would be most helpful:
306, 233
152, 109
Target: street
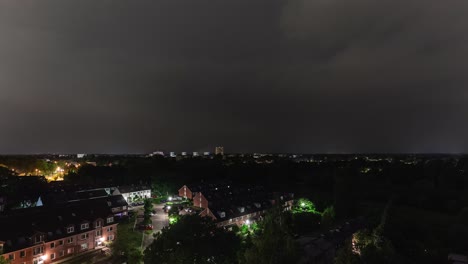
160, 220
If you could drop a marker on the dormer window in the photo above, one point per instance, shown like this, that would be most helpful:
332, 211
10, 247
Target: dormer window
98, 223
38, 239
84, 226
110, 219
70, 229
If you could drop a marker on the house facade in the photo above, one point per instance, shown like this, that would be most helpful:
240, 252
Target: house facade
229, 204
133, 193
51, 235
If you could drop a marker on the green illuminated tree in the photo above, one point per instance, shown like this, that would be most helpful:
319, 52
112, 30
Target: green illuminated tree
304, 205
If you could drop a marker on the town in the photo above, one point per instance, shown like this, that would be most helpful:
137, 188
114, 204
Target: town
148, 208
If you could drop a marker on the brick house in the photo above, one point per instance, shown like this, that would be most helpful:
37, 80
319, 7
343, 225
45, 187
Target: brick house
230, 204
199, 200
186, 192
48, 235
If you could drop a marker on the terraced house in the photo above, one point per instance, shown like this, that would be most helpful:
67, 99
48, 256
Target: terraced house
228, 204
44, 235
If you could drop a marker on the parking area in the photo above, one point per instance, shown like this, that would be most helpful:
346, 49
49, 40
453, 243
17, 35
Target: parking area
159, 221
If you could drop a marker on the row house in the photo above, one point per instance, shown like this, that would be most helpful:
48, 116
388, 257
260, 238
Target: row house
230, 205
49, 235
133, 193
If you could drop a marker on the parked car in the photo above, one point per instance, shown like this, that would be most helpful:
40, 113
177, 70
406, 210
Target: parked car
145, 227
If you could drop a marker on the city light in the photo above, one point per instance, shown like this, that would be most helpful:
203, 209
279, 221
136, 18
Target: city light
169, 208
170, 198
247, 222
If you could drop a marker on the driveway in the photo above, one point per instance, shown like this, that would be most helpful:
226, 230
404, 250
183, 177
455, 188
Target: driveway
160, 220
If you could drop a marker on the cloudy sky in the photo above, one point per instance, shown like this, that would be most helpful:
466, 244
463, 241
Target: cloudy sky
315, 76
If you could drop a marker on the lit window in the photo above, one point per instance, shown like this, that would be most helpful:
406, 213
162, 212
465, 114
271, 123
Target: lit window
110, 219
70, 250
38, 250
84, 226
84, 246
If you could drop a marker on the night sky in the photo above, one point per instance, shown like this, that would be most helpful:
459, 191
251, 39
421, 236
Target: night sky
313, 76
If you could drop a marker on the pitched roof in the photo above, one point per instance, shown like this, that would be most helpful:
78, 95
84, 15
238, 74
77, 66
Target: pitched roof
18, 227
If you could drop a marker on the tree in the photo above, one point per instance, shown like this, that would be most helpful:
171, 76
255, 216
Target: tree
148, 207
328, 217
193, 239
275, 243
4, 260
304, 205
369, 246
160, 188
127, 243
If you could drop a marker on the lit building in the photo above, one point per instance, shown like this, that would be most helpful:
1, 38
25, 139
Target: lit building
56, 234
230, 205
157, 153
219, 150
133, 193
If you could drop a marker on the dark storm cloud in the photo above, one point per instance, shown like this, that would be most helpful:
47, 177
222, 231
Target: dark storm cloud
257, 75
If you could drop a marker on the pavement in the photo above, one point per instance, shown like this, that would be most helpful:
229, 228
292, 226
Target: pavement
160, 220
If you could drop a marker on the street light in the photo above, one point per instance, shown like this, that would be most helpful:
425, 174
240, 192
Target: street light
247, 222
302, 204
170, 198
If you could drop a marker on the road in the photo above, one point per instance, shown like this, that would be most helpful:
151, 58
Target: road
160, 220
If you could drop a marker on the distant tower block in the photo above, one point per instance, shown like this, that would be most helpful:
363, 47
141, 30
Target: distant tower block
219, 151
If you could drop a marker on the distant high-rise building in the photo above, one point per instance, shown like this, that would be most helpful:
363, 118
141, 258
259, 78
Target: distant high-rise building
172, 155
219, 150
